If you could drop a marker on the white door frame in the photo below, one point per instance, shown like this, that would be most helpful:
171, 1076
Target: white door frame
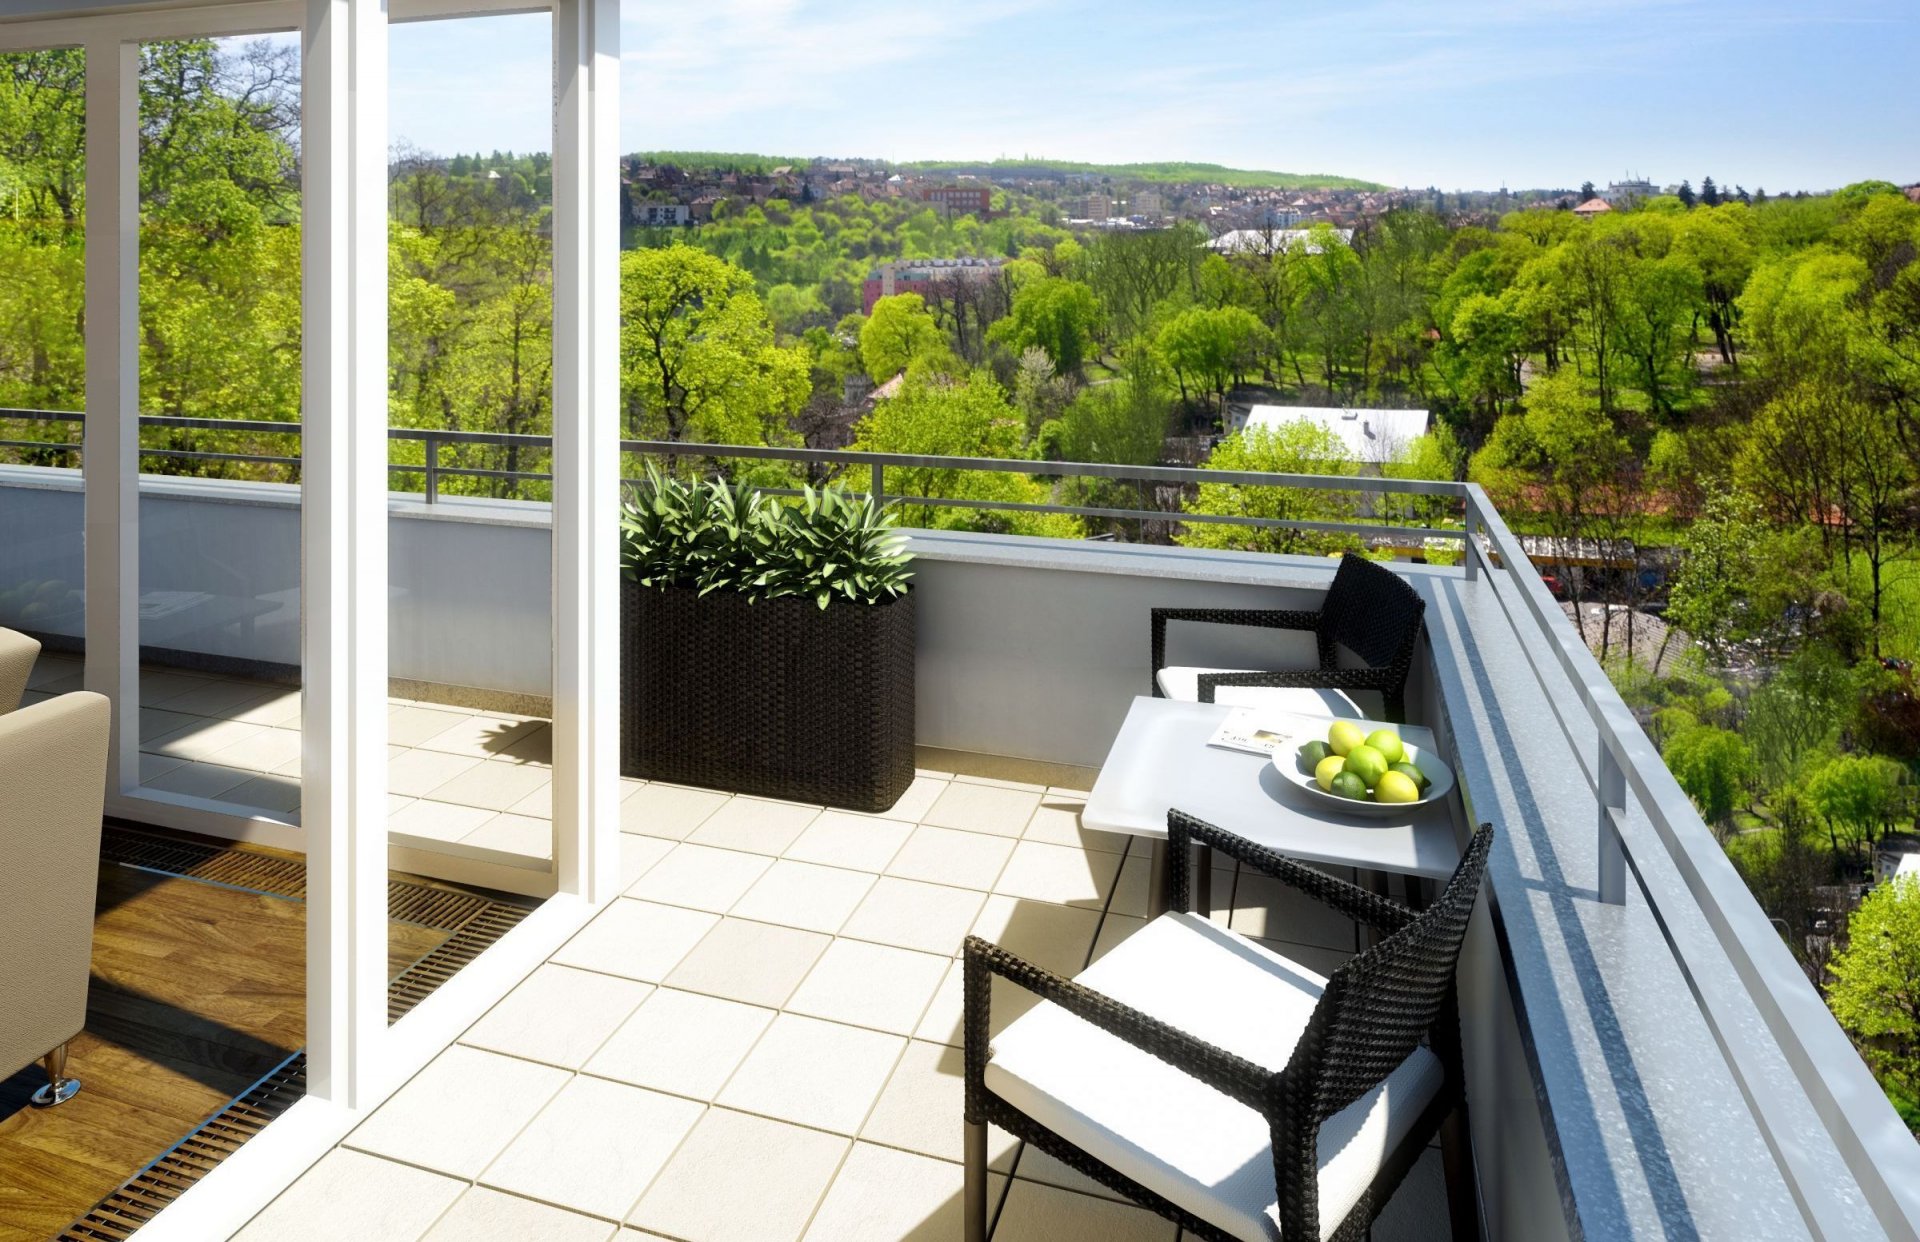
355, 1059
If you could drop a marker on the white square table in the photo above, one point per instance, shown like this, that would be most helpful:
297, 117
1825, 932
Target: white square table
1160, 761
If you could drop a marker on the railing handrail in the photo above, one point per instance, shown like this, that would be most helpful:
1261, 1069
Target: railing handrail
1866, 1132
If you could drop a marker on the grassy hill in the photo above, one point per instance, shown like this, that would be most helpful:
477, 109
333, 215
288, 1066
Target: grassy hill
1163, 172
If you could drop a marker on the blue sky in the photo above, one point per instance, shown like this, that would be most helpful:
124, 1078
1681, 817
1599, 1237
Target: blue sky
1454, 93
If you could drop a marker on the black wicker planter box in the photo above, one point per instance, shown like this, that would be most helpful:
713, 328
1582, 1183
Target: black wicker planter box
779, 698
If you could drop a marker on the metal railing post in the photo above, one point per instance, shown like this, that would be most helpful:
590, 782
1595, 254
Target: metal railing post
1612, 855
433, 470
879, 487
1470, 546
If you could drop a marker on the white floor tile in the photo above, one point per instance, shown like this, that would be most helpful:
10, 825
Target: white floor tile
201, 739
922, 1106
276, 794
637, 939
882, 1195
759, 825
417, 773
495, 784
983, 808
557, 1015
488, 1214
482, 736
872, 985
514, 834
844, 839
595, 1146
351, 1195
670, 811
700, 878
409, 724
1059, 873
637, 854
1057, 822
814, 1073
740, 1178
1055, 937
949, 856
459, 1112
756, 963
804, 895
200, 780
933, 918
919, 797
682, 1042
436, 821
266, 751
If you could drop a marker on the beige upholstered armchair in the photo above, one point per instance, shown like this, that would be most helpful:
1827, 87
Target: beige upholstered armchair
17, 654
53, 772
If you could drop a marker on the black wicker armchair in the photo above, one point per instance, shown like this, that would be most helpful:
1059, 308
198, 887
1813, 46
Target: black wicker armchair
1370, 610
1223, 1086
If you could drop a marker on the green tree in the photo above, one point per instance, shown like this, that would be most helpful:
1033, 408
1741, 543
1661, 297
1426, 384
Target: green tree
1874, 984
1053, 314
1718, 564
698, 358
1859, 796
1713, 766
939, 417
1290, 448
1123, 422
898, 333
1208, 350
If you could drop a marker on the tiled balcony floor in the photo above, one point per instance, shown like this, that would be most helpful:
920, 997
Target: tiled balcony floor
462, 780
760, 1040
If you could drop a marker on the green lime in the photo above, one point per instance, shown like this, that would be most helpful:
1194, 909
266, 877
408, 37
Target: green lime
1347, 785
1327, 769
1366, 763
1387, 742
1413, 773
1312, 753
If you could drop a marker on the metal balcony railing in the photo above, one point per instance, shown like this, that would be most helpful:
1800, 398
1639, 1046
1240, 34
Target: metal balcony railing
1643, 819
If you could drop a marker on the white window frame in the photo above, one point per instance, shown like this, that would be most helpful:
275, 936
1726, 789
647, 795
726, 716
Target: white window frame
354, 1058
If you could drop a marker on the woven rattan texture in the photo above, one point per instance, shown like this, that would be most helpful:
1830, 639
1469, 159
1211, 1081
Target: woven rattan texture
779, 698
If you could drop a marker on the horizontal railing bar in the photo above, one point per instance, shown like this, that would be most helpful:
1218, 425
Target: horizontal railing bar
1097, 470
62, 446
207, 455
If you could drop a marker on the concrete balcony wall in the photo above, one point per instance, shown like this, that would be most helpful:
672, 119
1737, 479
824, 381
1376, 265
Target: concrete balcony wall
220, 568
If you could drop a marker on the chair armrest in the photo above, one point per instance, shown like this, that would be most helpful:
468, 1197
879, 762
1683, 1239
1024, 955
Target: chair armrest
1381, 679
1235, 1077
1183, 831
1268, 618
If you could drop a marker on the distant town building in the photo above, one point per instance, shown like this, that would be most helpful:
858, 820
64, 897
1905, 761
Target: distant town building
1093, 207
1271, 241
916, 275
959, 200
1595, 206
1627, 193
1367, 437
662, 215
1913, 193
1148, 203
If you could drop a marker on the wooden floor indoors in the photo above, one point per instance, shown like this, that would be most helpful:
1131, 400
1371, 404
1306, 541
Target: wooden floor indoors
198, 990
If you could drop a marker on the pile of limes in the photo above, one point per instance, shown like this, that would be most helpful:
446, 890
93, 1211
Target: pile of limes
1367, 767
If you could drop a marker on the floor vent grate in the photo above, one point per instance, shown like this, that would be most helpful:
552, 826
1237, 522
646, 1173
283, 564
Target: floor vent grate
473, 923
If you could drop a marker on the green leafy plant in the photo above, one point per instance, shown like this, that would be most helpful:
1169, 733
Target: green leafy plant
711, 536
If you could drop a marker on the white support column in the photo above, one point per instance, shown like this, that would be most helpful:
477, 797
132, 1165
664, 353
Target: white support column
586, 452
110, 458
344, 544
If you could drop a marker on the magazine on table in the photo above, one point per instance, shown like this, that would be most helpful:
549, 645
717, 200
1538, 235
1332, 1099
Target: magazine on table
1261, 732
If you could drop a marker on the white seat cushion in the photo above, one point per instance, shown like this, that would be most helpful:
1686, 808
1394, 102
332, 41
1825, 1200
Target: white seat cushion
1183, 683
1166, 1130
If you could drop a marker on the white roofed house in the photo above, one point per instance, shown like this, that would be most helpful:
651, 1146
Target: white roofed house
1370, 438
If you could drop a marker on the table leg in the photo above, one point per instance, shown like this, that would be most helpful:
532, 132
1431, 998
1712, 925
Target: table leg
1157, 878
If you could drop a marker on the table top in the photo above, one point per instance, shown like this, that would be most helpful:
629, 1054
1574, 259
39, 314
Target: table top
1161, 760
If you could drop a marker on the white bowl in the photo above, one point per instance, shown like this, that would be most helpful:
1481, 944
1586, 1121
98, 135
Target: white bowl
1439, 777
